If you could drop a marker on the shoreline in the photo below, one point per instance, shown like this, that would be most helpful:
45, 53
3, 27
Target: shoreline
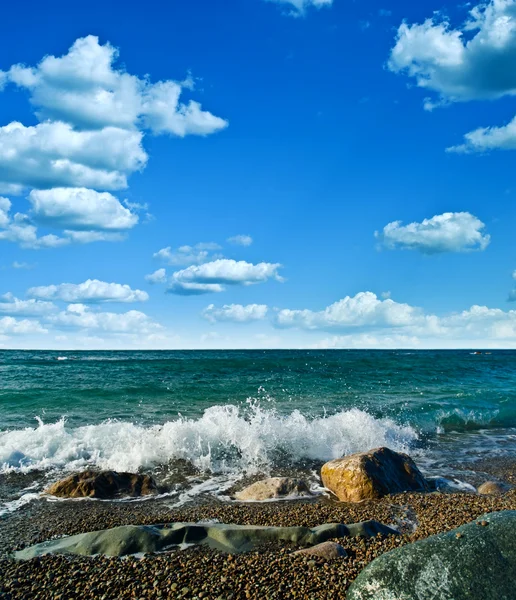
268, 572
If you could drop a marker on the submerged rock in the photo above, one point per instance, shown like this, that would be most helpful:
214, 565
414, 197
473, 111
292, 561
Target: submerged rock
274, 488
132, 539
371, 475
103, 485
326, 550
493, 488
474, 562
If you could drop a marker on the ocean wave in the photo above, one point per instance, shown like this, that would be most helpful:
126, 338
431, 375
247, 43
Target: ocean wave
464, 420
225, 439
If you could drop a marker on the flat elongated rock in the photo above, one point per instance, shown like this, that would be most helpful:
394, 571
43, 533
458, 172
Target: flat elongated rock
103, 485
474, 562
371, 475
274, 488
131, 539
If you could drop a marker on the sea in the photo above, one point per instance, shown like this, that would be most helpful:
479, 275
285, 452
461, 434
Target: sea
201, 421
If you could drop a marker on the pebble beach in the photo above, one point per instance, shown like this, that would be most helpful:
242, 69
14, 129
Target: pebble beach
271, 571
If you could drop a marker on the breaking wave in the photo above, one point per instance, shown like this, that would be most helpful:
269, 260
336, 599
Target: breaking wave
225, 439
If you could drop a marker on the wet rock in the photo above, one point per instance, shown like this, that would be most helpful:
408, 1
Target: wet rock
326, 550
470, 563
371, 475
274, 488
493, 488
103, 485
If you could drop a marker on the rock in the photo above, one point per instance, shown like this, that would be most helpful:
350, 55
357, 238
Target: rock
103, 485
274, 488
470, 563
493, 488
132, 539
327, 550
371, 475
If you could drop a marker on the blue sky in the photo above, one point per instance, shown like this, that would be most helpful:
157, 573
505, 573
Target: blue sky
253, 173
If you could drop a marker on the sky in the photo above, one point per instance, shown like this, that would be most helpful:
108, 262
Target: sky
257, 174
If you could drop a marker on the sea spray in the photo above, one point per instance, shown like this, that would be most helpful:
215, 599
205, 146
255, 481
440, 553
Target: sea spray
225, 439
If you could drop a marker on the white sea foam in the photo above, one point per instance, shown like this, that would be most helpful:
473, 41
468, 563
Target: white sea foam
226, 439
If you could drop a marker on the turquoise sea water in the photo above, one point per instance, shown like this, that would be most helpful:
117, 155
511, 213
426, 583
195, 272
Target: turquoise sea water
229, 412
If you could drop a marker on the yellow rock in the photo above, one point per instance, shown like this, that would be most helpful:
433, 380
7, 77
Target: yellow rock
371, 475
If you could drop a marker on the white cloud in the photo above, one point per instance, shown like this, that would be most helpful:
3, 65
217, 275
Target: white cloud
235, 313
159, 276
79, 316
299, 7
472, 62
449, 232
193, 289
5, 207
93, 116
84, 89
90, 291
80, 209
367, 340
388, 324
22, 265
484, 139
188, 255
10, 305
362, 310
212, 276
20, 230
53, 154
12, 326
241, 240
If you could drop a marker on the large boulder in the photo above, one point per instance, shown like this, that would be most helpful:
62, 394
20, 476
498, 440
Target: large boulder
474, 562
103, 485
371, 475
274, 488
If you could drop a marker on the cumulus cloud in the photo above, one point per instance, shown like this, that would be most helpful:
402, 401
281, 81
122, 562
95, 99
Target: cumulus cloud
367, 322
235, 313
362, 310
93, 115
241, 240
159, 276
81, 209
12, 326
299, 7
188, 255
221, 272
53, 154
484, 139
19, 229
79, 316
10, 305
193, 289
84, 88
449, 232
472, 62
90, 291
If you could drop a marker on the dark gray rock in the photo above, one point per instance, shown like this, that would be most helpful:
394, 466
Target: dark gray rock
474, 562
